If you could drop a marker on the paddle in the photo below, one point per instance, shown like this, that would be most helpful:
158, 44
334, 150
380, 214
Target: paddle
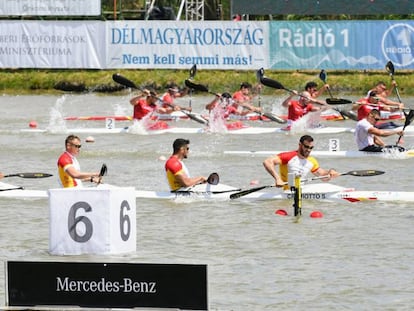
359, 173
408, 118
128, 83
9, 189
259, 74
332, 100
277, 85
102, 173
203, 88
390, 69
213, 179
29, 175
322, 76
193, 71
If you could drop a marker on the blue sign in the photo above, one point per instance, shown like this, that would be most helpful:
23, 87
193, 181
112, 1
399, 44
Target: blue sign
341, 44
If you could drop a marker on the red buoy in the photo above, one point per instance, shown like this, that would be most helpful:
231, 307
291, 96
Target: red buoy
281, 212
316, 214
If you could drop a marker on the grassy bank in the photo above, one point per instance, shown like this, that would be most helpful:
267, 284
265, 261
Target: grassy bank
30, 81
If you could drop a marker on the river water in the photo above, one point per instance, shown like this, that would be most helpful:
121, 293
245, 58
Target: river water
359, 256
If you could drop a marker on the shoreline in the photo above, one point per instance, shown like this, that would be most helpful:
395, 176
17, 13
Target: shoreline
48, 81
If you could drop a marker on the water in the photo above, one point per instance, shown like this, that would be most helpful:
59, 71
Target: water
357, 257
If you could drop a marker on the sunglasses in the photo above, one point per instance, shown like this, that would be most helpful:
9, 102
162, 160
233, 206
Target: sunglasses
377, 119
75, 145
308, 147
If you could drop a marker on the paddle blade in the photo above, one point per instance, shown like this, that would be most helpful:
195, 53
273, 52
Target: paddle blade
213, 179
322, 76
275, 118
260, 74
124, 81
390, 67
408, 117
195, 86
196, 117
103, 171
193, 71
29, 175
338, 101
272, 83
364, 173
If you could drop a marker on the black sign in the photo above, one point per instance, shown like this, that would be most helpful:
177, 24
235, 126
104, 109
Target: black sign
107, 285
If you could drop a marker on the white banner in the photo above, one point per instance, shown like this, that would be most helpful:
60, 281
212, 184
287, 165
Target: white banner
179, 44
50, 7
58, 44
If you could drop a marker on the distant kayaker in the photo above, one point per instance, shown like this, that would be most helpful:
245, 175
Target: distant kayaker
312, 88
298, 162
177, 173
168, 106
69, 171
144, 104
375, 101
381, 89
299, 108
242, 100
367, 136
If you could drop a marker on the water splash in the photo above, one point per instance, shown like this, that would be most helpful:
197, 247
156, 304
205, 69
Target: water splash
139, 127
217, 120
56, 121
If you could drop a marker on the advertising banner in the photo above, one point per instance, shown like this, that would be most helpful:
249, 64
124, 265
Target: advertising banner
178, 44
50, 7
341, 44
57, 44
106, 285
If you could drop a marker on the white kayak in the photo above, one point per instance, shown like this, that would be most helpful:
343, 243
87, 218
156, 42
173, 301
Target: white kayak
388, 154
317, 191
12, 191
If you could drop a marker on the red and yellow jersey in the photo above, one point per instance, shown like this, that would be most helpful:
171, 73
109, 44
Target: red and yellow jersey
64, 162
292, 163
174, 167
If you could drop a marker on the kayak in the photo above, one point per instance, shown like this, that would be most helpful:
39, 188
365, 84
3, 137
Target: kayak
12, 191
391, 154
231, 128
98, 118
316, 192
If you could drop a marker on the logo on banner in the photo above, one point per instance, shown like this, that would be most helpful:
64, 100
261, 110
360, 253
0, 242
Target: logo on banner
397, 44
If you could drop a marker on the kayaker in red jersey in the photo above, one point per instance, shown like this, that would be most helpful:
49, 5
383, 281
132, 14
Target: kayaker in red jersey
373, 101
167, 100
69, 171
177, 173
144, 104
298, 108
242, 100
298, 162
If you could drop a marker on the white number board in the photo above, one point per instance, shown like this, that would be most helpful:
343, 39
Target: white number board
92, 220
